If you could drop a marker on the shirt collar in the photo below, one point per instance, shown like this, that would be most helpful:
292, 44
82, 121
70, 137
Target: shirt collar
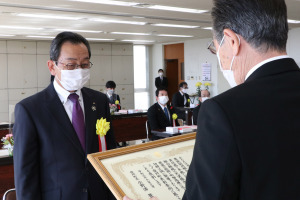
62, 93
162, 107
181, 93
264, 62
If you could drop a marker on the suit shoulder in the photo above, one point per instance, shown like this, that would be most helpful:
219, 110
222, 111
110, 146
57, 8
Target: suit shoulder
152, 108
94, 92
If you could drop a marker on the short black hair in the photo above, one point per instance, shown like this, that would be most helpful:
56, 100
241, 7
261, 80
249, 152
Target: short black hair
160, 70
262, 23
160, 89
64, 37
182, 84
110, 84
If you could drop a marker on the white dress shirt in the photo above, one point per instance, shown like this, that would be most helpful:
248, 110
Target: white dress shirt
67, 103
264, 62
163, 107
183, 97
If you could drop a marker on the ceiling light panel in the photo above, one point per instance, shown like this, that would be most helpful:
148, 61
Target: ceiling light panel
177, 9
128, 33
20, 27
39, 36
168, 35
292, 21
100, 39
48, 16
175, 25
117, 21
143, 41
79, 31
108, 2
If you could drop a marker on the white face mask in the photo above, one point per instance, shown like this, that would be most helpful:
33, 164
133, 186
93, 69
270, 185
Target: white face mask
160, 74
228, 74
204, 99
75, 79
163, 100
110, 92
184, 90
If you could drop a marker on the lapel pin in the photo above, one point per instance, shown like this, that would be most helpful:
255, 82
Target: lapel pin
93, 108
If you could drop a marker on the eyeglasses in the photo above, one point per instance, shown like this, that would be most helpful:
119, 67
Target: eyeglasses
211, 47
71, 66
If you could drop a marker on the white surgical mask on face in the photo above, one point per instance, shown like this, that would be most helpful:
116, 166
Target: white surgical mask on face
160, 74
228, 74
184, 90
163, 100
110, 92
204, 99
75, 79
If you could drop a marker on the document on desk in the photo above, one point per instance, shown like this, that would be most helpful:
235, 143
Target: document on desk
156, 168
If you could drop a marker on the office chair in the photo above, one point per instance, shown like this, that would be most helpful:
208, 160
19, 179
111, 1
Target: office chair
10, 194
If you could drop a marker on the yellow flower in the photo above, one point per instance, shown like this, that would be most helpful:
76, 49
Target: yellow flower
198, 84
117, 102
189, 100
174, 116
102, 127
207, 84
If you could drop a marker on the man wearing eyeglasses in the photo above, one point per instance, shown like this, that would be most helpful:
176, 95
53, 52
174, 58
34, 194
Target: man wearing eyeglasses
55, 129
247, 144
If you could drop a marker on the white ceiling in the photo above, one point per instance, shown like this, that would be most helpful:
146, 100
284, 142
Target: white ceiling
10, 9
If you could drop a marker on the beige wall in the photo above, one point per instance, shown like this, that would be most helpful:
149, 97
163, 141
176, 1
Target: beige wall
24, 72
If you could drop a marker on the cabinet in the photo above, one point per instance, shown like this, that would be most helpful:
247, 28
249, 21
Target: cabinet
122, 69
3, 71
101, 70
22, 72
21, 47
122, 50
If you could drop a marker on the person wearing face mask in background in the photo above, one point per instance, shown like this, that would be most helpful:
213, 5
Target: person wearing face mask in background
111, 95
161, 81
181, 99
205, 94
55, 129
160, 113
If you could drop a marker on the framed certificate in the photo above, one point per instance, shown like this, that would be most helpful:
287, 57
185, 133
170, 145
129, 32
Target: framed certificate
157, 168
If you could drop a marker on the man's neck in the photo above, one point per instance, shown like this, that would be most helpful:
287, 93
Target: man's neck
256, 58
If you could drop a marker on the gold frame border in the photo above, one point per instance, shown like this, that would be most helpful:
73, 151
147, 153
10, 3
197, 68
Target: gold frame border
96, 158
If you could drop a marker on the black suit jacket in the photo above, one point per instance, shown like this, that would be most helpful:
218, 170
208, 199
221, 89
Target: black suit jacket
178, 100
247, 144
49, 162
161, 83
113, 100
195, 113
157, 118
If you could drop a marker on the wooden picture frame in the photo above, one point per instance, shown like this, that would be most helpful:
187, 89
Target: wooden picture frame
113, 166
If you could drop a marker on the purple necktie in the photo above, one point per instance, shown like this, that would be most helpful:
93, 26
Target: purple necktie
77, 119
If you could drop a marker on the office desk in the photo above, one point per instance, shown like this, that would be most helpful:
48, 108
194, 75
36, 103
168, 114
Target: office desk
129, 127
6, 165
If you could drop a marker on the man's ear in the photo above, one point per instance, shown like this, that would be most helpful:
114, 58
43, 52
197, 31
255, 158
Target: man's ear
51, 67
234, 41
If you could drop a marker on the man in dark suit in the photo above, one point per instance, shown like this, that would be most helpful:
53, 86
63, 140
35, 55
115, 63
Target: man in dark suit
205, 94
160, 113
55, 129
181, 99
247, 144
111, 95
161, 81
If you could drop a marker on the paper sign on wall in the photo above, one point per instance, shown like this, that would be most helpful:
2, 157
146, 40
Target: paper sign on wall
206, 72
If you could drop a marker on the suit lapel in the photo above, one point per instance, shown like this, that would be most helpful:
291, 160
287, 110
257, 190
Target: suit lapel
56, 108
162, 112
90, 110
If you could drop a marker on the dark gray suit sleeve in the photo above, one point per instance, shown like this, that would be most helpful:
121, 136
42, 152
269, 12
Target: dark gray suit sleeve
152, 118
215, 169
26, 156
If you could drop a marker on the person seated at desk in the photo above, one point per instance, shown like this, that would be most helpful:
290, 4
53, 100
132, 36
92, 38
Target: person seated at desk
180, 99
160, 114
161, 81
110, 93
205, 94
